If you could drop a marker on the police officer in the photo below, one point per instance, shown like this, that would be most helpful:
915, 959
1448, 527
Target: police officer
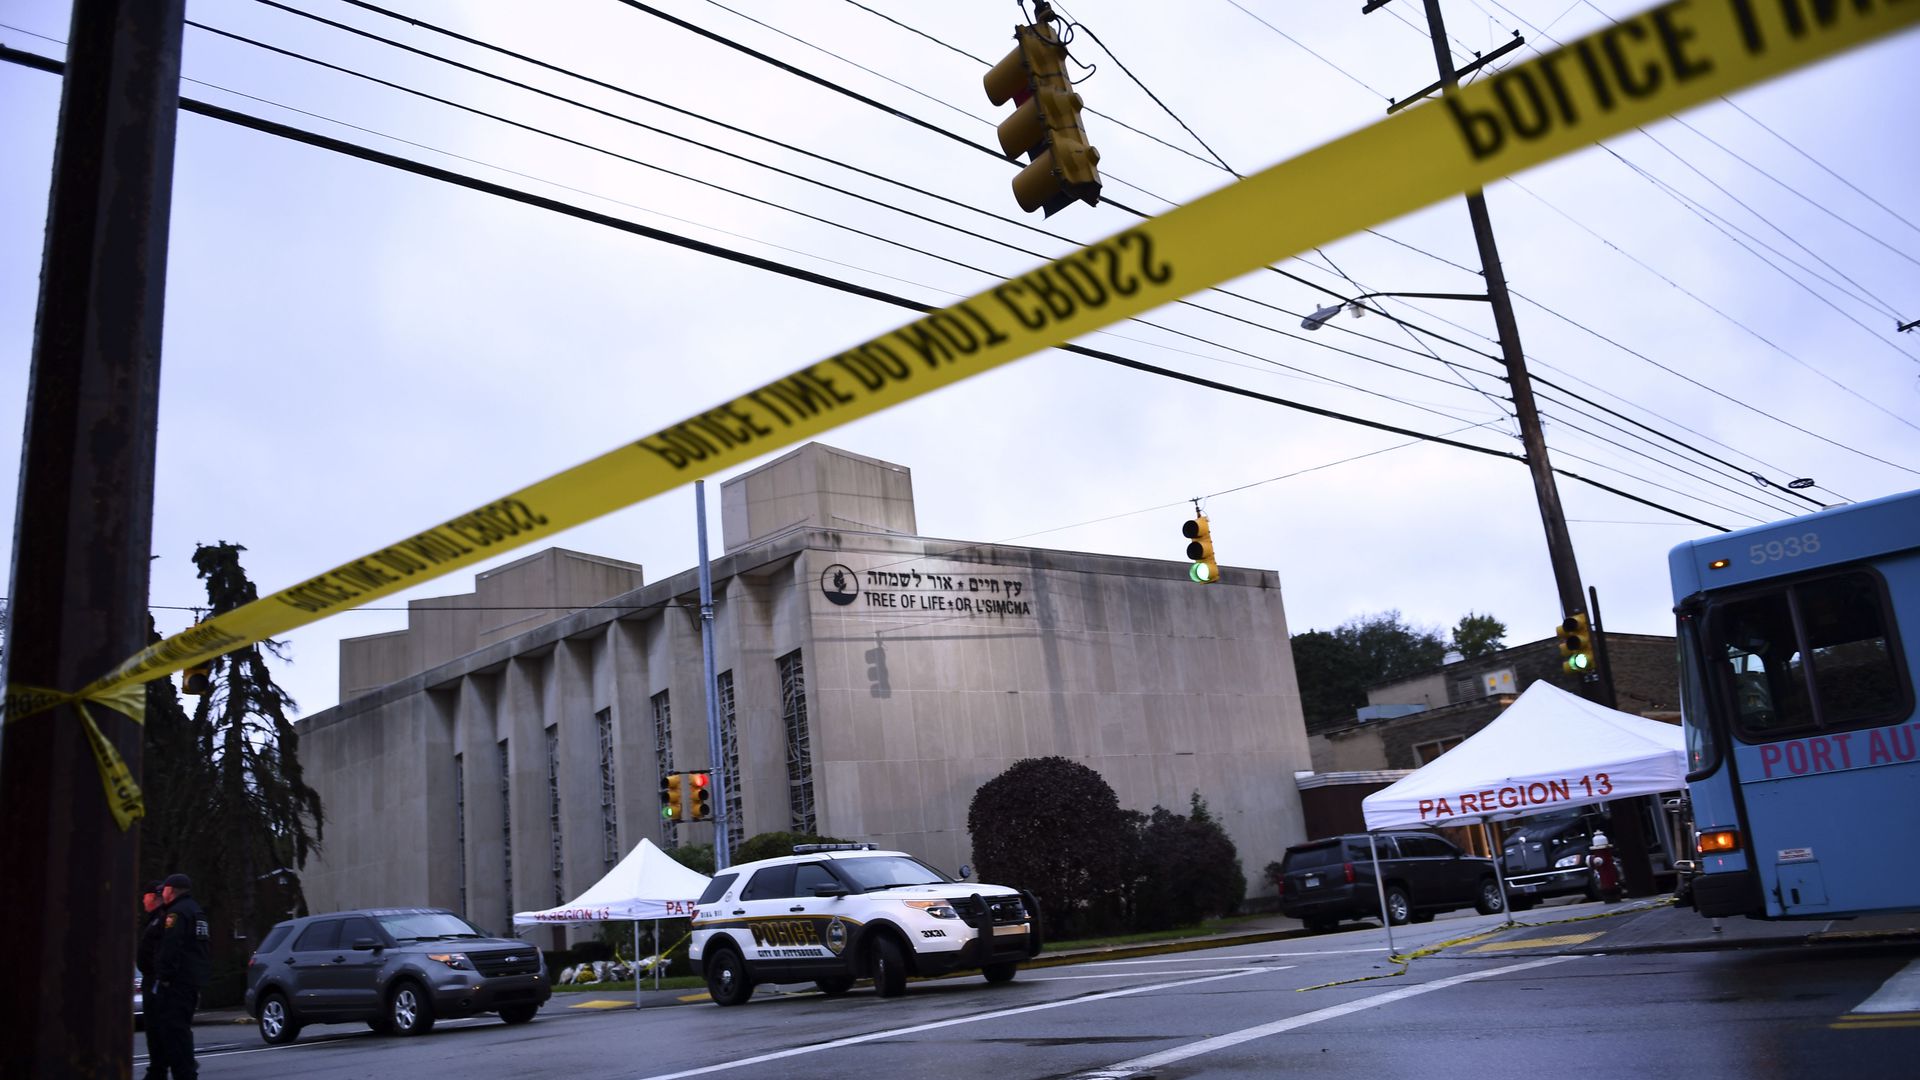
150, 929
180, 969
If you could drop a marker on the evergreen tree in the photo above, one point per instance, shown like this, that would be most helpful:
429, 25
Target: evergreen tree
226, 801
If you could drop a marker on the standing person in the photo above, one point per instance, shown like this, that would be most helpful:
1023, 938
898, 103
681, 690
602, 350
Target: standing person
150, 930
180, 969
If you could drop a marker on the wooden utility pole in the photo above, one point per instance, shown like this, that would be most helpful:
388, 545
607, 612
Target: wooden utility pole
79, 574
1630, 838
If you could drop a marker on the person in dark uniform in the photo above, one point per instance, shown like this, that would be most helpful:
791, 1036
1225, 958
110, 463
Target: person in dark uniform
150, 928
180, 968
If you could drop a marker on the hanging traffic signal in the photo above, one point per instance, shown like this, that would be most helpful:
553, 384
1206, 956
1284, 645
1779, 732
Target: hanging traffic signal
673, 797
700, 806
1045, 125
1576, 645
197, 678
1205, 569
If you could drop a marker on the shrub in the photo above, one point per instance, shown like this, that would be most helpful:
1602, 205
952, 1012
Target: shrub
1055, 827
1187, 870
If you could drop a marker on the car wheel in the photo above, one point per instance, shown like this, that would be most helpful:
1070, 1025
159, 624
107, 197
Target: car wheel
518, 1014
727, 979
835, 986
1321, 926
1399, 909
1519, 903
277, 1026
409, 1010
889, 968
1490, 902
1001, 973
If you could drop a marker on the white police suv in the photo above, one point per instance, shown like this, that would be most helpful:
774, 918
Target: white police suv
836, 913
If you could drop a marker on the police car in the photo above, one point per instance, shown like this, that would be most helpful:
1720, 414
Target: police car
836, 913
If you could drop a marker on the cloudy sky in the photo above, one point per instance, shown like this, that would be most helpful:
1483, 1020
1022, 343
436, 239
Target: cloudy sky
353, 353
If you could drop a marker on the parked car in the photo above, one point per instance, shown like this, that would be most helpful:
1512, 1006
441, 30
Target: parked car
1324, 881
395, 969
836, 913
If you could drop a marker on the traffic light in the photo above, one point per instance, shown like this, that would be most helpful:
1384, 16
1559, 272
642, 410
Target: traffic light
1045, 125
1576, 645
1205, 569
197, 678
700, 806
672, 797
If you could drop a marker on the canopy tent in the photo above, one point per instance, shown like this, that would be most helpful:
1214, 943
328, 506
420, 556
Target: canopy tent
647, 884
1549, 749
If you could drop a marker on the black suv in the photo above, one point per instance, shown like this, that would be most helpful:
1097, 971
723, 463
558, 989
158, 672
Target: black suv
397, 969
1324, 881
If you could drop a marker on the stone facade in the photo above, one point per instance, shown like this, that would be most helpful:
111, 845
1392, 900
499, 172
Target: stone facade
872, 680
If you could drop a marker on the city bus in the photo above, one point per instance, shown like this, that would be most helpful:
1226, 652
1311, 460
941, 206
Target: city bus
1797, 658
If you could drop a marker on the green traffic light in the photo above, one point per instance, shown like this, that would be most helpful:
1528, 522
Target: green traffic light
1200, 572
1579, 662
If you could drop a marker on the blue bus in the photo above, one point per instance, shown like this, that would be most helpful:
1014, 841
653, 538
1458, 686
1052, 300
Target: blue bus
1798, 702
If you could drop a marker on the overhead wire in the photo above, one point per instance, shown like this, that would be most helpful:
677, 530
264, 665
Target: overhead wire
615, 116
324, 142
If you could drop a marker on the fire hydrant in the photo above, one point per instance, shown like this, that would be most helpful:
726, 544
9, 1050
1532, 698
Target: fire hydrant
1606, 869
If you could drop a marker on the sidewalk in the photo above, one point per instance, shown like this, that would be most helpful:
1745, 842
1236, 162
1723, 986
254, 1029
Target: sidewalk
1633, 926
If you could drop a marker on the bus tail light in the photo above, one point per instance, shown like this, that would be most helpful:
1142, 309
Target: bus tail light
1349, 873
1718, 841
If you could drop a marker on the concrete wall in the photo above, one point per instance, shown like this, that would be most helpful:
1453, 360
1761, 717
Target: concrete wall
817, 486
930, 667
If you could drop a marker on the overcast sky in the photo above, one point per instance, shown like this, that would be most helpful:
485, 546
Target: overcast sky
353, 353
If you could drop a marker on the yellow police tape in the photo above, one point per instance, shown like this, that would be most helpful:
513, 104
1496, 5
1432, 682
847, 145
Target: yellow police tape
123, 791
1633, 72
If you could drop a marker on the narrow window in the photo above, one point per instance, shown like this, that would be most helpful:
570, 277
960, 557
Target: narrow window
553, 813
663, 759
460, 824
793, 710
609, 817
730, 758
506, 823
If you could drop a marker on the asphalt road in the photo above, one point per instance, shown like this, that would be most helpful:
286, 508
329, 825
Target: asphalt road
1239, 1012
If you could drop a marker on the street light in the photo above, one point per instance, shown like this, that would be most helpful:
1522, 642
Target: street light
1319, 318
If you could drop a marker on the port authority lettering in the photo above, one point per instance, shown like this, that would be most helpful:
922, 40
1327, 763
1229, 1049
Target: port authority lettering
1838, 752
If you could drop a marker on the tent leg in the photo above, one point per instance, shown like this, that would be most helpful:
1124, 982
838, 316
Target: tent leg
1499, 875
656, 952
635, 965
1386, 920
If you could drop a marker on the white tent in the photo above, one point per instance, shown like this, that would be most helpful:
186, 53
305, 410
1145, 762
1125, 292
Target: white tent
1549, 749
647, 884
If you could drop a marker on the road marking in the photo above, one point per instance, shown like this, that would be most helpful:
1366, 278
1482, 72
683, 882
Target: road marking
1535, 943
1135, 974
874, 1036
334, 1037
1899, 994
1234, 956
1871, 1023
603, 1003
1235, 1038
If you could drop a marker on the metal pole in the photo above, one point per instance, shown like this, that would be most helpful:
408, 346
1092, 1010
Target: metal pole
1566, 573
83, 536
722, 857
635, 965
1386, 919
1499, 875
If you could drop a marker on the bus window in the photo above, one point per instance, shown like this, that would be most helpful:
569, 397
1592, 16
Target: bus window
1762, 665
1853, 670
1703, 747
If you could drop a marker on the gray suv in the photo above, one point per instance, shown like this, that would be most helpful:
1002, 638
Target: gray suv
396, 969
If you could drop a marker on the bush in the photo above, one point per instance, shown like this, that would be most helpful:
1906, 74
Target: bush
1187, 870
1055, 827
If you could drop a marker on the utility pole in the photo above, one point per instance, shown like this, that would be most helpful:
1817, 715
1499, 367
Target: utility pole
1566, 572
79, 574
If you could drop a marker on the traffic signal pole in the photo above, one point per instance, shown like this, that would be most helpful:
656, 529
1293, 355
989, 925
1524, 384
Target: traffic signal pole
717, 770
84, 533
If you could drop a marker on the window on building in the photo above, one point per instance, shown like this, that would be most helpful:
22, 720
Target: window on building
553, 813
663, 759
506, 823
1427, 751
793, 710
460, 824
730, 757
609, 790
